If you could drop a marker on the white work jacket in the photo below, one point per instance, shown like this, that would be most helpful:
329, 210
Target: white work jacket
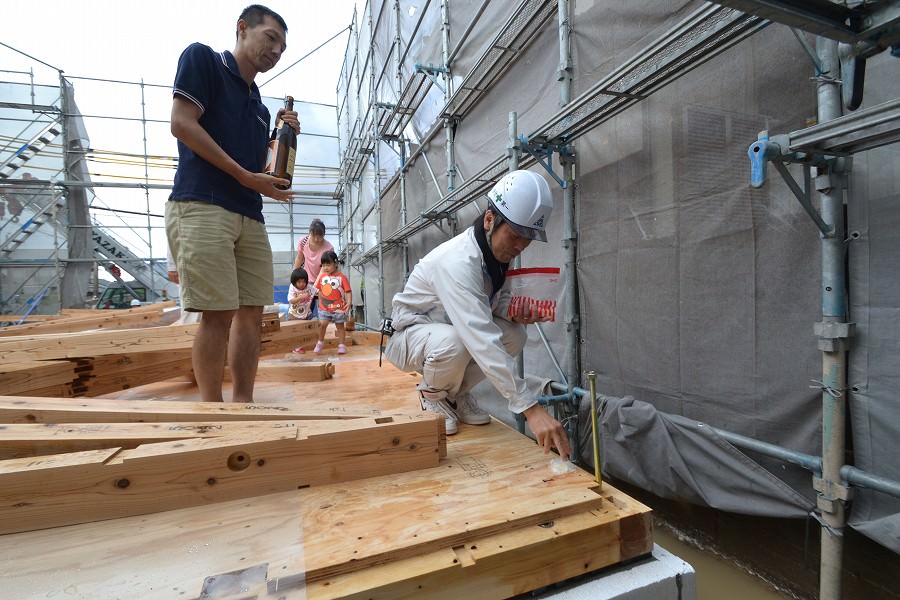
451, 285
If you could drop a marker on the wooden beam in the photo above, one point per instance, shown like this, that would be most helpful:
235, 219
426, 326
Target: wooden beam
28, 319
95, 343
23, 409
289, 371
18, 378
94, 319
19, 440
81, 487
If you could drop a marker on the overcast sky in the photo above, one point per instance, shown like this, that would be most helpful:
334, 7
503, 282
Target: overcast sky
131, 41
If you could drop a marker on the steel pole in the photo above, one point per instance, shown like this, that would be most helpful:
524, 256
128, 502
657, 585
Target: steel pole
832, 333
570, 235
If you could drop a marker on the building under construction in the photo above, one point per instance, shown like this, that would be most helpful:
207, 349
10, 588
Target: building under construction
725, 348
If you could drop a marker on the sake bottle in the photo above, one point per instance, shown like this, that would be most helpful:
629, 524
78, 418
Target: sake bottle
282, 149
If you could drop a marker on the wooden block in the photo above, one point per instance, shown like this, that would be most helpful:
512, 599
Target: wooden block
270, 323
289, 335
80, 487
23, 409
291, 371
367, 338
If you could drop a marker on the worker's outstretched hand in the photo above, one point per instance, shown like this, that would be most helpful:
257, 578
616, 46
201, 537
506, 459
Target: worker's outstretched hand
548, 432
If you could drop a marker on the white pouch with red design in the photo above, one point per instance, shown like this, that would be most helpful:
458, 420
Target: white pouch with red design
539, 289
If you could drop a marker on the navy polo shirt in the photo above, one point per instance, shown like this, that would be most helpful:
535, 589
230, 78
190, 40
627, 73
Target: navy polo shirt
235, 118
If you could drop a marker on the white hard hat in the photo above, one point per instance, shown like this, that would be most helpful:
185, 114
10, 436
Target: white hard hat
523, 200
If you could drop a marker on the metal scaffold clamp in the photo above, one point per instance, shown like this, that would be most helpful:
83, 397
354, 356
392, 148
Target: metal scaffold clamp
542, 149
777, 151
431, 71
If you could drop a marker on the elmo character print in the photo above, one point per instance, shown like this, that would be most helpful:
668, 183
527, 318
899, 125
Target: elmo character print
332, 288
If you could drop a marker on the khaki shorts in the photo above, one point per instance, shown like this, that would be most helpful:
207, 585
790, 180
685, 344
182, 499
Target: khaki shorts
224, 259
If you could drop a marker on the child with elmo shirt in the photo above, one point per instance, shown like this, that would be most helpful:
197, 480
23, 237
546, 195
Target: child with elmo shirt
335, 299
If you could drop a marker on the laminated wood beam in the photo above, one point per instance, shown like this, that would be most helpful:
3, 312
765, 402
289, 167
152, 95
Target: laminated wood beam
124, 341
18, 440
23, 409
108, 381
80, 487
28, 319
62, 390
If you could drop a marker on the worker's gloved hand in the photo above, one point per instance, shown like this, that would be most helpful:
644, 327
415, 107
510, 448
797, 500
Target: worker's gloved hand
548, 432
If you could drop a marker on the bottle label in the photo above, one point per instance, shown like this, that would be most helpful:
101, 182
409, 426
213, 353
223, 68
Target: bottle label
289, 167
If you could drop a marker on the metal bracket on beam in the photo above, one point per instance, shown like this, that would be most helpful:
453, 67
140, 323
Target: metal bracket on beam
764, 150
436, 216
542, 151
431, 71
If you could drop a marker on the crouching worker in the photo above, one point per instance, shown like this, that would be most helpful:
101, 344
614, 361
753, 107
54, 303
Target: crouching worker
450, 321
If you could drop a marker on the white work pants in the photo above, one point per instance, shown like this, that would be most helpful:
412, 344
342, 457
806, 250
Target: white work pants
437, 352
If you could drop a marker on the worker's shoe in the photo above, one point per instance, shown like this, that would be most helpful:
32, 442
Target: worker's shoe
432, 401
468, 412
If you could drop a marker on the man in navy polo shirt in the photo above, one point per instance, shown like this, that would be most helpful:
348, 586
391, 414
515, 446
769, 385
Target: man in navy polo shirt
214, 220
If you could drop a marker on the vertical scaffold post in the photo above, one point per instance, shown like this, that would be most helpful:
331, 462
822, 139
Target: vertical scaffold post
833, 333
570, 236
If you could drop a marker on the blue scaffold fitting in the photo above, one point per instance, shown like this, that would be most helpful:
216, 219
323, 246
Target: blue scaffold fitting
543, 151
761, 152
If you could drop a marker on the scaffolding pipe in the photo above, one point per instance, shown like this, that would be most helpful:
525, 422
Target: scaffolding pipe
152, 291
376, 176
449, 125
832, 494
570, 235
513, 164
512, 149
465, 34
398, 40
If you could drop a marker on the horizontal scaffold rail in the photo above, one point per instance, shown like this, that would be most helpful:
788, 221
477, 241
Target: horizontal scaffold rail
701, 36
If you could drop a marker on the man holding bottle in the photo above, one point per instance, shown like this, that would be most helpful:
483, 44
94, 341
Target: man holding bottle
214, 220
